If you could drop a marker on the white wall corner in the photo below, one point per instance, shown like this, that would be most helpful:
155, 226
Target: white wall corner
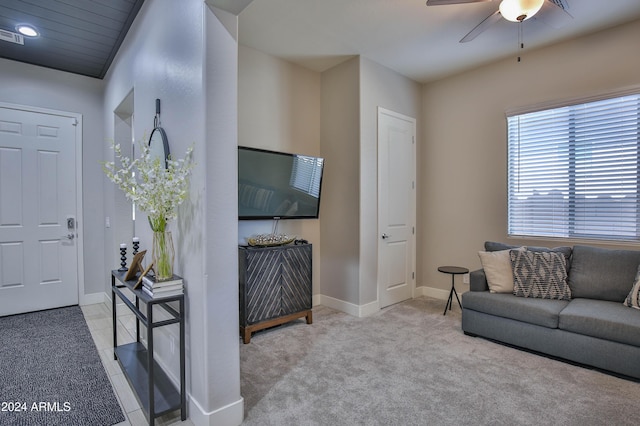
349, 308
229, 415
316, 300
227, 18
231, 6
94, 299
369, 309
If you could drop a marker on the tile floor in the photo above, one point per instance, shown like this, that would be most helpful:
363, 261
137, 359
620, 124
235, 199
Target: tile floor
99, 320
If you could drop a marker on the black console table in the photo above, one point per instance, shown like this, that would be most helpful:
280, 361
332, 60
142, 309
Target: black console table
275, 286
156, 393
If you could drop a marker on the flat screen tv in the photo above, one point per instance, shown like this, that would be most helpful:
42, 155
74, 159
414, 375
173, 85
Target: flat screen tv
278, 185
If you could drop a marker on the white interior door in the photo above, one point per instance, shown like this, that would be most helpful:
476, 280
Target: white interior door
38, 244
396, 207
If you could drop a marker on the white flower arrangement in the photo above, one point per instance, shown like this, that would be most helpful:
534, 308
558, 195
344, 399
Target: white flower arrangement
154, 189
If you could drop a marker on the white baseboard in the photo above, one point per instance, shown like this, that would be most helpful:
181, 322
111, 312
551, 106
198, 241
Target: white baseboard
436, 293
93, 299
349, 308
316, 300
229, 415
373, 307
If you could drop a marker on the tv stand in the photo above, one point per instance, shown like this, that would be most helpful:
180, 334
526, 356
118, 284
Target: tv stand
275, 286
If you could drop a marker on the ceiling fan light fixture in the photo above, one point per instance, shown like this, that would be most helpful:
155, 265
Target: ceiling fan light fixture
520, 10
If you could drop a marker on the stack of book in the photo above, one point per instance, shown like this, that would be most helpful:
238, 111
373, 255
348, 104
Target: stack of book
167, 288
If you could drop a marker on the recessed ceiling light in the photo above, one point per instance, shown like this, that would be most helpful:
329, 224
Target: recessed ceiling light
27, 30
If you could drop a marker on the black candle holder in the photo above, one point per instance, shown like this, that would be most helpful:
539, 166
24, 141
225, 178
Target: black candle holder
136, 246
123, 259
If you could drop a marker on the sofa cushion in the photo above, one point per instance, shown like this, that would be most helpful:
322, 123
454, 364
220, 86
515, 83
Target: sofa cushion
633, 298
495, 246
478, 280
602, 319
604, 274
540, 275
535, 311
497, 268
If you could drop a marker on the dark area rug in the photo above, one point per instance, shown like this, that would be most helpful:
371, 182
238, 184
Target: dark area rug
51, 373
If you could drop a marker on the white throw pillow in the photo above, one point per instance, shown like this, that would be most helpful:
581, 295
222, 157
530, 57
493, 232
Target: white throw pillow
498, 270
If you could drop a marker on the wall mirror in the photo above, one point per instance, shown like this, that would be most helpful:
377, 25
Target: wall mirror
159, 145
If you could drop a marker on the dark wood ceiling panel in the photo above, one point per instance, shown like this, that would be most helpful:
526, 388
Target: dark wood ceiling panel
97, 8
79, 36
57, 19
54, 31
82, 65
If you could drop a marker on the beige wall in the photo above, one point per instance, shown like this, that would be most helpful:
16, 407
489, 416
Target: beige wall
379, 87
279, 110
351, 95
463, 195
285, 107
461, 148
340, 211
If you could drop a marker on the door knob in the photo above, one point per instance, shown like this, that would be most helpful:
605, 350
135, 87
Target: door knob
385, 236
69, 236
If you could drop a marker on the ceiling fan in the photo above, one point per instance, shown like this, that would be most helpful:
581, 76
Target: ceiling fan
551, 12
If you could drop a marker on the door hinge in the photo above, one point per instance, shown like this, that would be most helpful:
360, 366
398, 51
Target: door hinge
413, 275
413, 230
75, 122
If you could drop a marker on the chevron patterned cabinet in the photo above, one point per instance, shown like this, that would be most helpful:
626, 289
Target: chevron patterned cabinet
275, 286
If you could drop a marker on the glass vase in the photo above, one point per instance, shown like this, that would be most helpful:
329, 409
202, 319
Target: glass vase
163, 255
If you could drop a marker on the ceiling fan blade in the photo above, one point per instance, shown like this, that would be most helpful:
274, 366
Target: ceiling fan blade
445, 2
490, 20
553, 15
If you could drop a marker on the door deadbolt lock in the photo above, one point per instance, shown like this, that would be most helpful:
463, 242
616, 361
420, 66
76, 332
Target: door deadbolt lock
71, 223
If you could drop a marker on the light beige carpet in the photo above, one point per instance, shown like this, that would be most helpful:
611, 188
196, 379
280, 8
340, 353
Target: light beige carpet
410, 365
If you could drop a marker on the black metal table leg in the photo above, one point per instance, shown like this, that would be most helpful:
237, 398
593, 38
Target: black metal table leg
453, 270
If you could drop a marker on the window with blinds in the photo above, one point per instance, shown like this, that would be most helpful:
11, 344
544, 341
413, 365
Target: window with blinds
574, 171
306, 174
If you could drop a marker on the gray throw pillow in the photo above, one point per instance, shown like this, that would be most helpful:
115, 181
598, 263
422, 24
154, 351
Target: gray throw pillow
565, 250
633, 299
540, 274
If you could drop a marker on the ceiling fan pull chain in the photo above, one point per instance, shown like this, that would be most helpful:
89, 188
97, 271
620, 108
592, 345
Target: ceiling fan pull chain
520, 40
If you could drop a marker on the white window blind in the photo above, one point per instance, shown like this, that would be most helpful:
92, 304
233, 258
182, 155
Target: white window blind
574, 171
306, 174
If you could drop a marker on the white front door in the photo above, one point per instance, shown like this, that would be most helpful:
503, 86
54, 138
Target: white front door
396, 207
38, 244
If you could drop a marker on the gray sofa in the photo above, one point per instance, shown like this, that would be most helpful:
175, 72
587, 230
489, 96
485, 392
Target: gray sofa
593, 328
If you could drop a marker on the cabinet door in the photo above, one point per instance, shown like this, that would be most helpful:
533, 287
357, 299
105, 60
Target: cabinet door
296, 279
262, 285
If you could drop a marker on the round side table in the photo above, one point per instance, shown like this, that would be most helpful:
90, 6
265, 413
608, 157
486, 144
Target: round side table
453, 270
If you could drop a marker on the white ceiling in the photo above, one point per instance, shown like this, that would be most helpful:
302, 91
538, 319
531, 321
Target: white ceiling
417, 41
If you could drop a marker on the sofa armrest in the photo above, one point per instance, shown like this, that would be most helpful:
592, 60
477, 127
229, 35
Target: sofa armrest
478, 281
